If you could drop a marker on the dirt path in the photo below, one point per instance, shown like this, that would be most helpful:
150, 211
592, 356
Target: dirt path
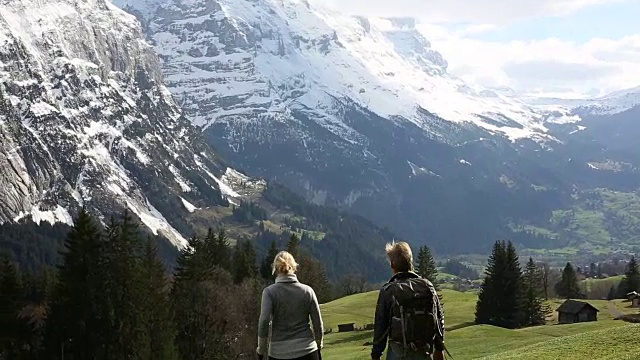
613, 309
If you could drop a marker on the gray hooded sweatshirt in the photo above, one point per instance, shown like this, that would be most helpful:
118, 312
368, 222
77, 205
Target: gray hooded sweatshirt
286, 308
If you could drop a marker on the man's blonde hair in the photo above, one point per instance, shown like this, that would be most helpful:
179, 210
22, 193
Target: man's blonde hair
400, 256
284, 264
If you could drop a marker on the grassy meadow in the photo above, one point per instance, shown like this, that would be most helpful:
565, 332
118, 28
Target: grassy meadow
605, 339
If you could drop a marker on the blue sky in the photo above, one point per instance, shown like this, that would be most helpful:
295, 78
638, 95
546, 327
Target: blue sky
567, 48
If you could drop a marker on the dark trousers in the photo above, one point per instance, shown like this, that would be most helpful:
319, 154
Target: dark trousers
312, 356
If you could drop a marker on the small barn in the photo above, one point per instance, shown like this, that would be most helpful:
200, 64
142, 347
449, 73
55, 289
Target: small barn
634, 297
346, 327
574, 311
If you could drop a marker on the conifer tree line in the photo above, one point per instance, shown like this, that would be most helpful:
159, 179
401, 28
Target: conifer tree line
631, 280
426, 266
111, 297
511, 297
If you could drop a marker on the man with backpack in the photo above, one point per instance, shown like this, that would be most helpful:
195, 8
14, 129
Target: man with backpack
408, 313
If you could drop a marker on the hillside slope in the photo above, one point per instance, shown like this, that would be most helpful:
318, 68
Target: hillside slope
608, 338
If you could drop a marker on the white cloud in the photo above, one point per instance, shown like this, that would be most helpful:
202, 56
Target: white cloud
550, 66
495, 12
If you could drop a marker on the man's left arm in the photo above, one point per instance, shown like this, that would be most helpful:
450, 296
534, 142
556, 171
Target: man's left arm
439, 345
381, 327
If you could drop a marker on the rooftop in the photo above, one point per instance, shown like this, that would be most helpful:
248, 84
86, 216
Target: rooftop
574, 306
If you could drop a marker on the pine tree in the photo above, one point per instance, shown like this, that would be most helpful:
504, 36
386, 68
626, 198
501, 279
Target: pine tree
37, 290
157, 310
124, 291
500, 298
244, 262
212, 252
311, 272
513, 290
568, 287
487, 306
201, 310
593, 270
223, 250
266, 266
10, 304
77, 325
535, 311
293, 246
427, 266
631, 278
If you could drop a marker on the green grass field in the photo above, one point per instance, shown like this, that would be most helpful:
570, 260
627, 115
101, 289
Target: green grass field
605, 339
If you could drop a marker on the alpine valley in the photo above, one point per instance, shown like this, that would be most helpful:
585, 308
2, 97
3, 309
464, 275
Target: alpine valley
361, 114
152, 105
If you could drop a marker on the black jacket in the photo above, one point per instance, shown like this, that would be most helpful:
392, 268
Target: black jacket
383, 317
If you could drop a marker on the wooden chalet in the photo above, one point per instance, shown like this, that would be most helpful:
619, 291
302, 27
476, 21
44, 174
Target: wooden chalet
634, 297
346, 327
574, 311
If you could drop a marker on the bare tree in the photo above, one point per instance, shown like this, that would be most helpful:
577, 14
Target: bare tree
544, 273
352, 284
549, 278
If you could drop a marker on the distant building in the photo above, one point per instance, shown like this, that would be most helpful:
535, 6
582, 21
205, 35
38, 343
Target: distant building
573, 311
634, 297
346, 327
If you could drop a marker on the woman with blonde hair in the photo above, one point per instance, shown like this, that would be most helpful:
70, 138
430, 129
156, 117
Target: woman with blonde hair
286, 308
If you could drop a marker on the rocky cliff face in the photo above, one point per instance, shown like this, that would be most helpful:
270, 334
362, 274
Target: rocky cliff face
85, 120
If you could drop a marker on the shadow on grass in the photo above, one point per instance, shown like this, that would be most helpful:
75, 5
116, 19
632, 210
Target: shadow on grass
633, 318
460, 326
359, 337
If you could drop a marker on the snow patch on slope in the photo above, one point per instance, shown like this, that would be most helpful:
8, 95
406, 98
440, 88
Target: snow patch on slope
189, 206
179, 179
57, 215
417, 170
225, 189
564, 119
156, 222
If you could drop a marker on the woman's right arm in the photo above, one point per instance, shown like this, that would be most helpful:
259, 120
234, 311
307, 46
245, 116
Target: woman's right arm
263, 323
316, 319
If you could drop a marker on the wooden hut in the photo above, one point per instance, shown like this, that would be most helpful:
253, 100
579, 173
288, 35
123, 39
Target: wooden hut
346, 327
634, 297
573, 311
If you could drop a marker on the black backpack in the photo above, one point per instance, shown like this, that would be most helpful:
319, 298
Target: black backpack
414, 315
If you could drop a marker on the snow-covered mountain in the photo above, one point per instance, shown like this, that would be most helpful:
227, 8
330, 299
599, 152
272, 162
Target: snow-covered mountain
349, 111
85, 120
355, 112
229, 60
610, 104
613, 103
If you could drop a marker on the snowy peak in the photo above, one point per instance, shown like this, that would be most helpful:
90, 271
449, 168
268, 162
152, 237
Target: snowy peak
228, 61
410, 43
613, 103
